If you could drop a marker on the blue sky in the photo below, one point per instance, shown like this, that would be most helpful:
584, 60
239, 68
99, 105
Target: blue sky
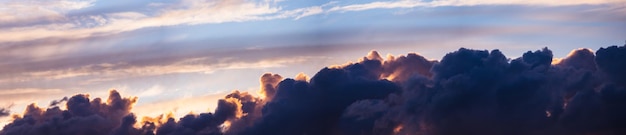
182, 53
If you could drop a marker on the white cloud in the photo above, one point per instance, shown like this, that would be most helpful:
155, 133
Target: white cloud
179, 107
309, 11
377, 5
187, 12
24, 96
110, 72
17, 10
152, 91
22, 91
439, 3
18, 18
193, 12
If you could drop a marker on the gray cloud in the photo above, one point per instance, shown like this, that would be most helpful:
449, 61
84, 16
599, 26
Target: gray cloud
5, 111
468, 91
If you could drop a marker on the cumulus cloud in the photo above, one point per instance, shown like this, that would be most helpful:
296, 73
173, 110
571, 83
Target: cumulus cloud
83, 116
466, 92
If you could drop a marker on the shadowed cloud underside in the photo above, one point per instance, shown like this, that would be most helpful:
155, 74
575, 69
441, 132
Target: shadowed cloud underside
468, 91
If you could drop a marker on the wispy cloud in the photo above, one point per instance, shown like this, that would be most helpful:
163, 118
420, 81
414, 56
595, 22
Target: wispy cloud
440, 3
21, 10
22, 96
179, 106
28, 91
58, 43
194, 12
109, 72
185, 12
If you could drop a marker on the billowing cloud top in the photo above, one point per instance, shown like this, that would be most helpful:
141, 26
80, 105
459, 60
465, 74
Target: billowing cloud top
48, 45
467, 92
180, 56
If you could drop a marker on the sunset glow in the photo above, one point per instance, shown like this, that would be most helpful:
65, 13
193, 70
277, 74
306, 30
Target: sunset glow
285, 67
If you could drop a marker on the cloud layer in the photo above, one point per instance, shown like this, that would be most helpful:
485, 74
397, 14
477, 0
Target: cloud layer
467, 92
49, 45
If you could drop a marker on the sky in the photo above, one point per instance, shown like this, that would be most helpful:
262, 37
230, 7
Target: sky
181, 55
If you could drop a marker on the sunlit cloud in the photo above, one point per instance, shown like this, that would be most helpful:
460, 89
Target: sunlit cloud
52, 49
23, 96
180, 106
27, 91
186, 12
194, 12
16, 11
108, 71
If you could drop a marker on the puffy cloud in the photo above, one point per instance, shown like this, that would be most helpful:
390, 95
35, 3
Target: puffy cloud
579, 59
83, 116
268, 85
610, 61
467, 92
204, 123
482, 92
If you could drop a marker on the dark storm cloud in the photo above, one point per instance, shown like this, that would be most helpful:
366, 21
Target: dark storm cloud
611, 61
204, 123
468, 92
83, 116
482, 92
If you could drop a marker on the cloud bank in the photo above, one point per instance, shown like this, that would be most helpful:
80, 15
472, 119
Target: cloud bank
467, 92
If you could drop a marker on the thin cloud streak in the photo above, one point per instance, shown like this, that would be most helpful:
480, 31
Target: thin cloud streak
59, 68
442, 3
24, 91
193, 12
188, 12
20, 10
108, 71
76, 49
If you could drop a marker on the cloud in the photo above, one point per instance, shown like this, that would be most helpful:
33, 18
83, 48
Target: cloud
607, 61
185, 12
443, 3
26, 91
83, 116
308, 12
17, 11
178, 107
152, 91
109, 71
5, 111
268, 85
59, 55
378, 5
56, 23
467, 91
26, 95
